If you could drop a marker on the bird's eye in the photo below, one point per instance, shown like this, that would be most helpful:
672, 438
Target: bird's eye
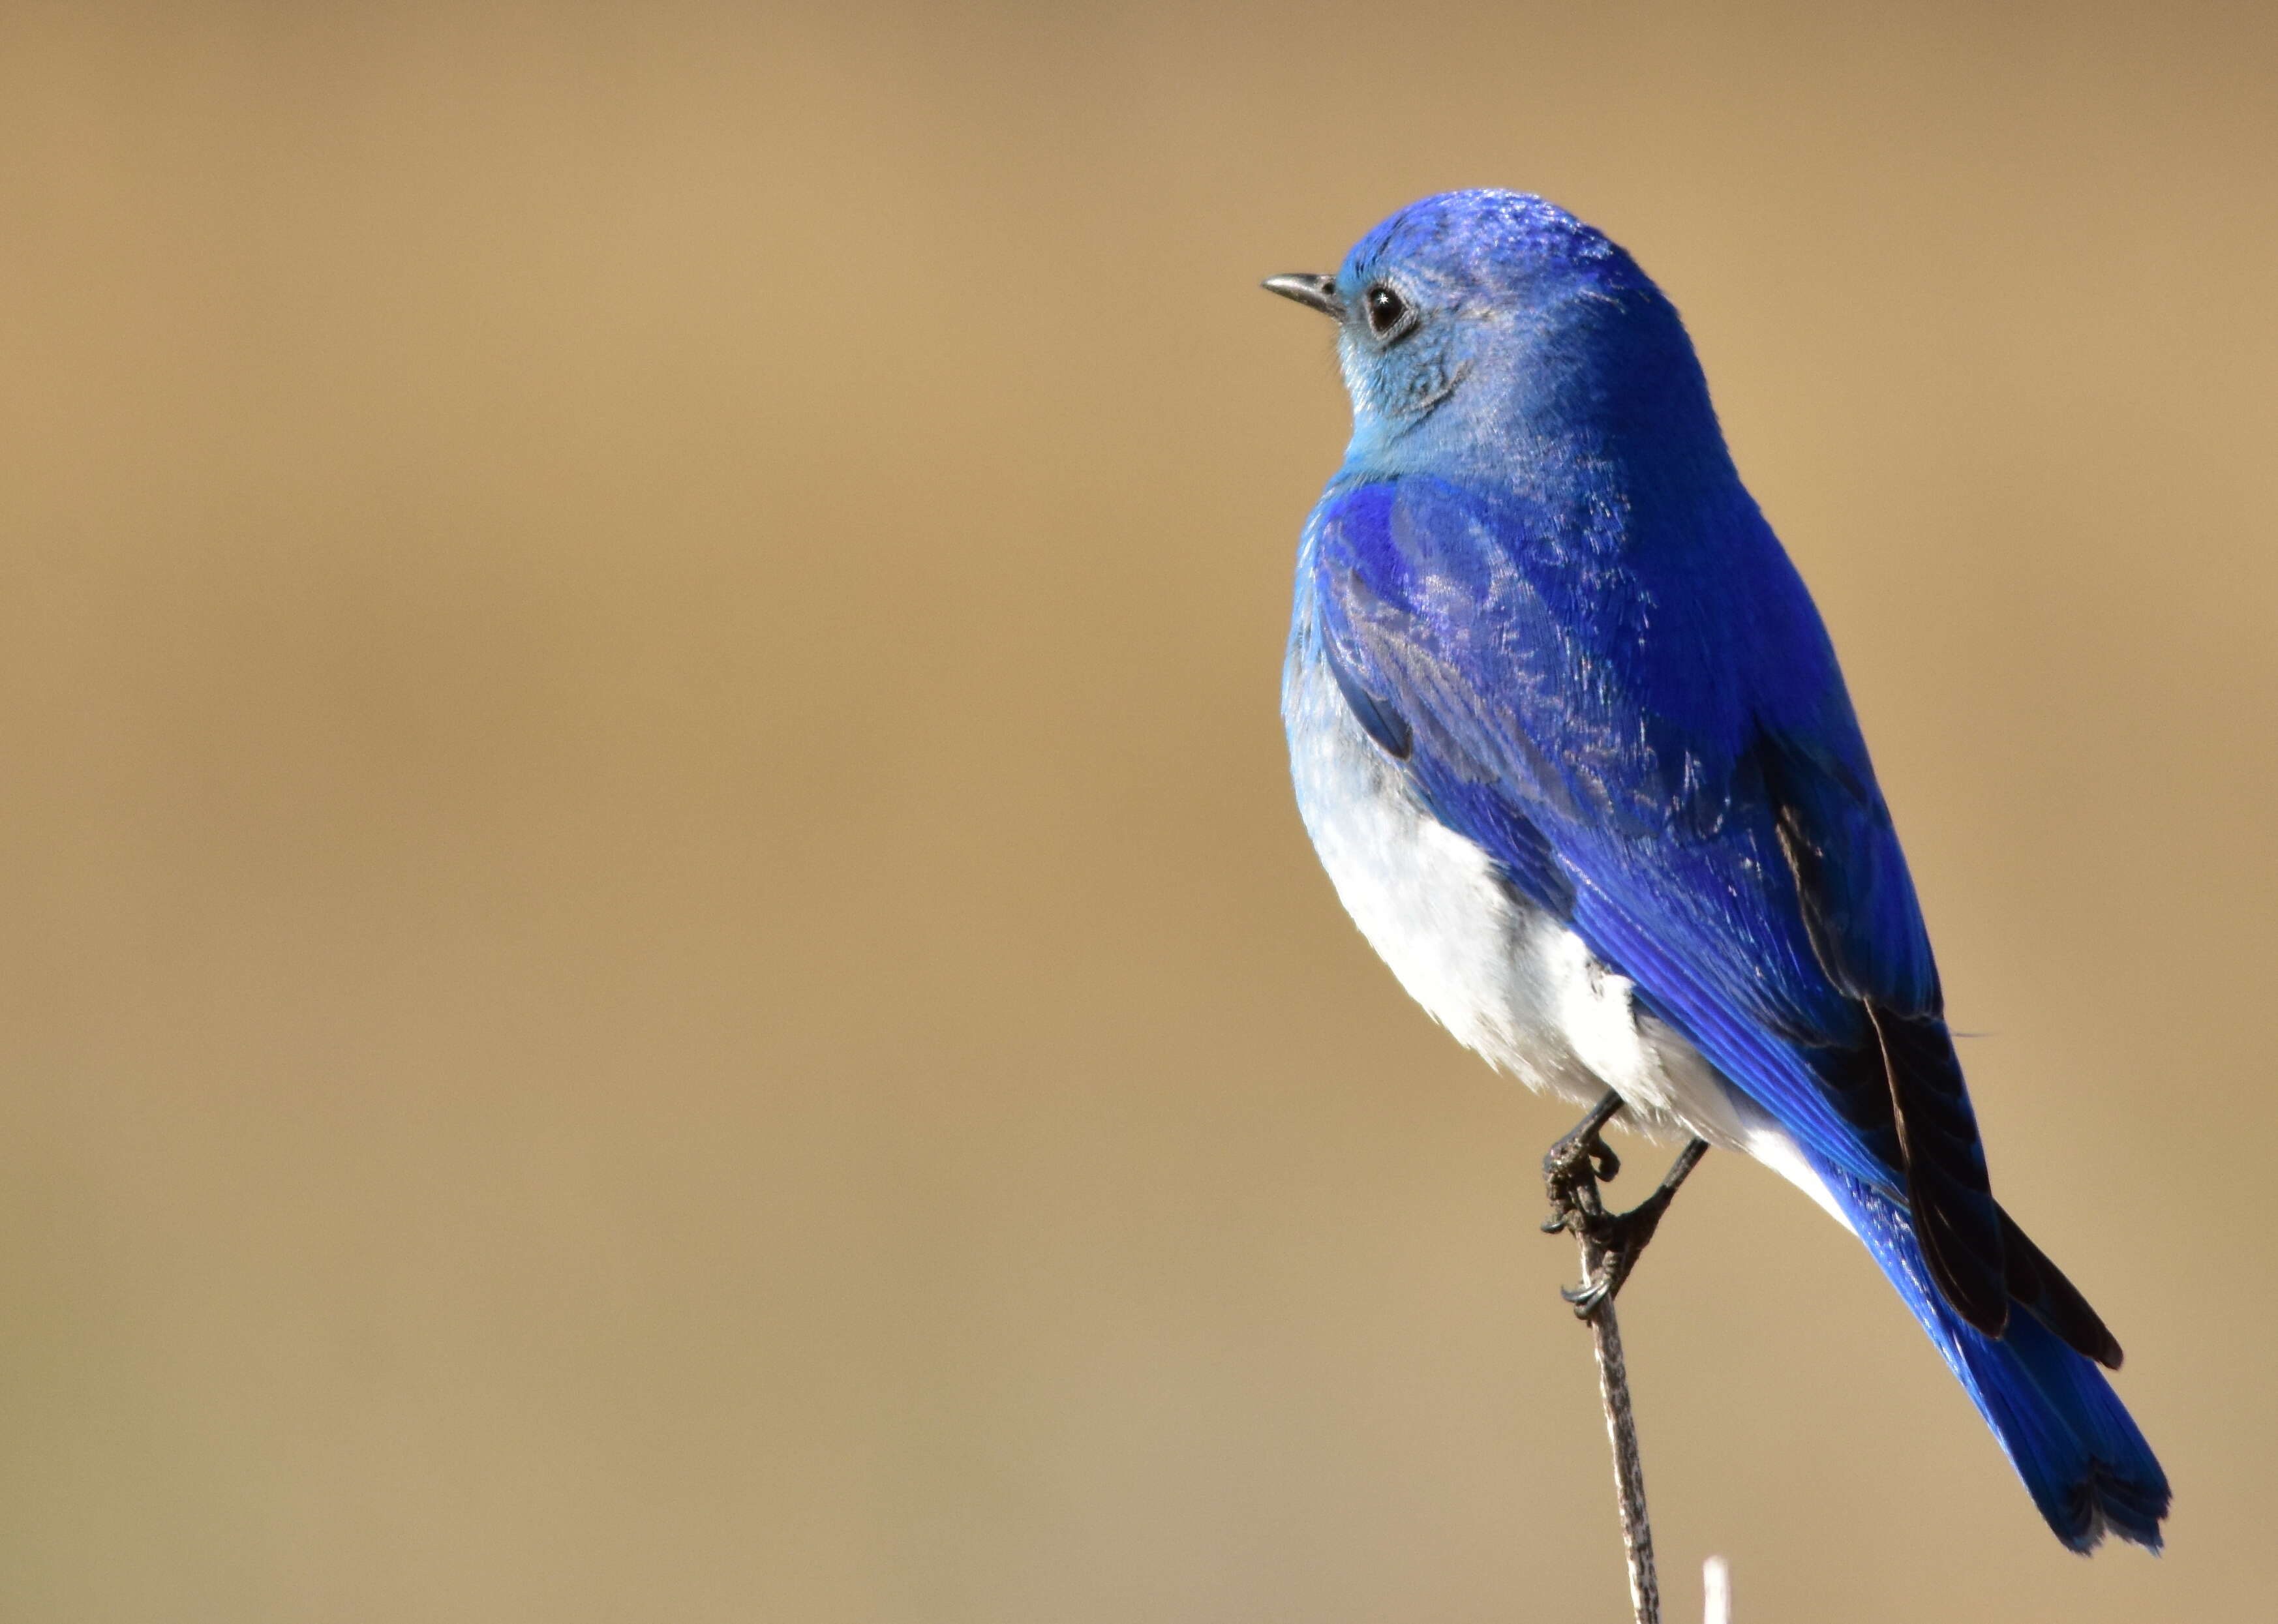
1388, 314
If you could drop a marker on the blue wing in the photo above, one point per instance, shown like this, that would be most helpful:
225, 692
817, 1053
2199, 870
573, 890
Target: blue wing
1655, 741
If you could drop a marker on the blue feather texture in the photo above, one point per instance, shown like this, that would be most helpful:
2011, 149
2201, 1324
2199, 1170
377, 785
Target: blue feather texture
1542, 630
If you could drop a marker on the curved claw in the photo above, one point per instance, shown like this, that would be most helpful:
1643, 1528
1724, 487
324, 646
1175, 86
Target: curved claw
1586, 1299
1620, 1238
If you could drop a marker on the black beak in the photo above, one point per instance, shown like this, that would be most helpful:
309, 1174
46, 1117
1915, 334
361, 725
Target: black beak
1315, 292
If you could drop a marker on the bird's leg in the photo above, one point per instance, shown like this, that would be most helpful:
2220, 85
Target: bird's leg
1575, 1164
1570, 1175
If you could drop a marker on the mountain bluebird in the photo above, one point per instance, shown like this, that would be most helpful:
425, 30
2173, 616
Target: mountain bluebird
1572, 744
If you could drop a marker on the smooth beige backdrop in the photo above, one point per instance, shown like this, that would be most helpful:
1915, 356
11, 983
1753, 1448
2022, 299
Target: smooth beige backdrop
654, 963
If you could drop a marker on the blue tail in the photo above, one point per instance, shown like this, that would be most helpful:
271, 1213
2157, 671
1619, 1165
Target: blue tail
2087, 1467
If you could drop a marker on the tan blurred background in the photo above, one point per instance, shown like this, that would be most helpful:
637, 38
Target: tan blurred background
654, 963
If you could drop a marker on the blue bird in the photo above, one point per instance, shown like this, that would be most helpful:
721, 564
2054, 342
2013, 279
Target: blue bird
1572, 741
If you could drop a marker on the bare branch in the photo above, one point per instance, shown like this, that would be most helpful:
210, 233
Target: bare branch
1621, 1430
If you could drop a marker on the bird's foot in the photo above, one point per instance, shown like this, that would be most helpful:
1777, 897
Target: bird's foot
1612, 1241
1617, 1240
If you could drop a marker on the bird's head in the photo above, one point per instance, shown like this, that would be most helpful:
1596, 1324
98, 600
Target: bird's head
1493, 325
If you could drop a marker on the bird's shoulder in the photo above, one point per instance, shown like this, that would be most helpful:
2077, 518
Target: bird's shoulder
1562, 645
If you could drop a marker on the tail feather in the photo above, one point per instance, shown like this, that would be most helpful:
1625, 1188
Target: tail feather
2072, 1442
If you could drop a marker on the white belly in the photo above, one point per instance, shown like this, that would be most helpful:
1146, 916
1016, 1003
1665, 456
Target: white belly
1505, 977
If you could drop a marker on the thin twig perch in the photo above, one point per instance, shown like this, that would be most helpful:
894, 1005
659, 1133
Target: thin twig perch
1610, 1244
1621, 1431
